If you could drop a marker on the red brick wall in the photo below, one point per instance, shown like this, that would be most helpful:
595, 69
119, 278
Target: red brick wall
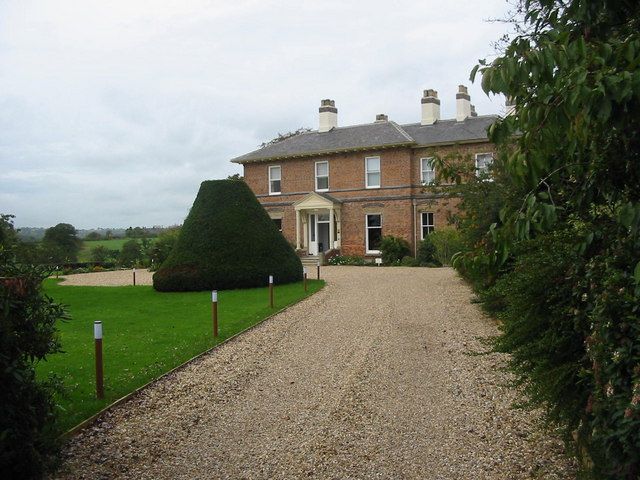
399, 168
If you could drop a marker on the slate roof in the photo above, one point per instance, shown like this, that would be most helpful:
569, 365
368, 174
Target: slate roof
384, 134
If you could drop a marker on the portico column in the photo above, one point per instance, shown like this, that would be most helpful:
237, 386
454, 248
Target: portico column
338, 243
305, 230
331, 235
297, 229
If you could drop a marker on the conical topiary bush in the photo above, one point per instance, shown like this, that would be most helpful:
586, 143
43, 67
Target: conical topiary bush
227, 241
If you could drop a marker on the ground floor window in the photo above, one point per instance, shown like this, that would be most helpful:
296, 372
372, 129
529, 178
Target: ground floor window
278, 222
428, 226
374, 233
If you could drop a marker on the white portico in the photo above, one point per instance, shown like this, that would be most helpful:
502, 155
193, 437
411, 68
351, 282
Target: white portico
317, 223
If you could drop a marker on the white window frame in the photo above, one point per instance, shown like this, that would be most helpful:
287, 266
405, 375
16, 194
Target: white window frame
367, 172
322, 176
423, 225
271, 180
484, 170
366, 236
432, 170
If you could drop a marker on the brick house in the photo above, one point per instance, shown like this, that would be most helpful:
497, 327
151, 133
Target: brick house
343, 188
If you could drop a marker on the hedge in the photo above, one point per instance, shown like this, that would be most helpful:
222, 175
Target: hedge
227, 241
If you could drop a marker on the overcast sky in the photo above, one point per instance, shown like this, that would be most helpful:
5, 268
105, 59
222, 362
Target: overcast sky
113, 112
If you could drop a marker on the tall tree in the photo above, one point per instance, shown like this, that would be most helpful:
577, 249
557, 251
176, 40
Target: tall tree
61, 243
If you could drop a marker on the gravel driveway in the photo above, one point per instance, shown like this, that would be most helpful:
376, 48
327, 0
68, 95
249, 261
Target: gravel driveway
370, 378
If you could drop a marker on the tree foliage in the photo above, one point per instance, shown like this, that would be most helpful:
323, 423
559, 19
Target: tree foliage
563, 254
61, 244
27, 335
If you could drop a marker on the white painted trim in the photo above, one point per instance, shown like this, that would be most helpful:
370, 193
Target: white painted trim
270, 180
433, 169
366, 172
366, 234
315, 171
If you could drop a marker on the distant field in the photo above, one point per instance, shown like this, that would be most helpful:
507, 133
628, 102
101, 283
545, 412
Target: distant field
114, 244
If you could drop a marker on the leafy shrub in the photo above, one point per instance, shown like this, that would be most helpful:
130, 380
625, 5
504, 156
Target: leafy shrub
393, 249
27, 335
446, 242
227, 241
100, 253
131, 254
346, 260
427, 253
161, 248
408, 261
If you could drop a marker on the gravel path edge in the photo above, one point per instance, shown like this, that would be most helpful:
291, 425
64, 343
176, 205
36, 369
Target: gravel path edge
129, 396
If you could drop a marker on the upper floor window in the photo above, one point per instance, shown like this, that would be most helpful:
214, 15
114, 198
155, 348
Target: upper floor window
275, 177
427, 172
427, 223
372, 172
483, 162
322, 176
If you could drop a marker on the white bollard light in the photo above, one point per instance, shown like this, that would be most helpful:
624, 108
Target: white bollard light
97, 330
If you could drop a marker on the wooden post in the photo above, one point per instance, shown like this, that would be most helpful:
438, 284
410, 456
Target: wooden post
318, 270
214, 306
271, 291
304, 278
134, 277
97, 335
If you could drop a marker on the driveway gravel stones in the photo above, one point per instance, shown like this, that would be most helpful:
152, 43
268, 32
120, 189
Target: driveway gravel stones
373, 377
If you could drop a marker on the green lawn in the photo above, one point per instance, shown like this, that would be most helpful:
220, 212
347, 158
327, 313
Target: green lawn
114, 244
146, 333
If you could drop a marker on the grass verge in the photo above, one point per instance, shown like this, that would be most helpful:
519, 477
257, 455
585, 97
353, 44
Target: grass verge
146, 333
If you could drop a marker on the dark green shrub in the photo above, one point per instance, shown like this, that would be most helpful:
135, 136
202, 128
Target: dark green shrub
27, 335
427, 253
102, 254
131, 253
393, 249
227, 241
446, 242
409, 261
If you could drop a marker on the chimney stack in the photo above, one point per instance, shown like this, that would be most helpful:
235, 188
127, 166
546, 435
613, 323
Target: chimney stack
430, 107
381, 117
463, 103
473, 111
328, 115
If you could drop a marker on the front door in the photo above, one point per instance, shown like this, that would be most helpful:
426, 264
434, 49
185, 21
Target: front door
318, 233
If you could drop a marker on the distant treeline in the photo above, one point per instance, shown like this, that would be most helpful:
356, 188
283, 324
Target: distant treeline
36, 234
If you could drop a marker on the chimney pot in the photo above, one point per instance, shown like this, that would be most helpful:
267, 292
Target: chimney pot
328, 115
381, 117
463, 103
430, 107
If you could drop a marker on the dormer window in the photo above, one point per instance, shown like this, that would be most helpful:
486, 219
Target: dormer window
322, 176
275, 177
